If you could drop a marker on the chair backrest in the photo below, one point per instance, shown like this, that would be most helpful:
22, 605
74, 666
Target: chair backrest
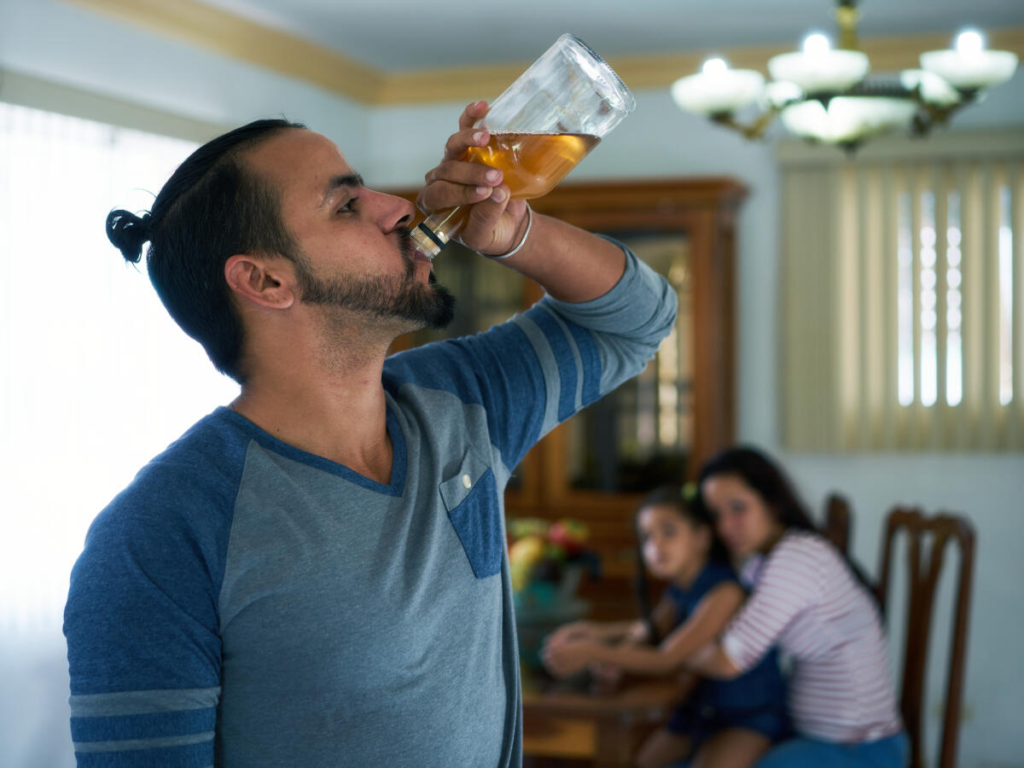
837, 522
927, 538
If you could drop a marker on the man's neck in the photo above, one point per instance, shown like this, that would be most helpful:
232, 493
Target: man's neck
335, 409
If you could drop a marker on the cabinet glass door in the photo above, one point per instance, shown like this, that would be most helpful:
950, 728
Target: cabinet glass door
639, 436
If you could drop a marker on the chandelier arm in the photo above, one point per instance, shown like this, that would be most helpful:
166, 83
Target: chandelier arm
847, 17
754, 130
931, 114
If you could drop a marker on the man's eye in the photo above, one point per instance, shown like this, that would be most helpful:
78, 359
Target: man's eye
348, 207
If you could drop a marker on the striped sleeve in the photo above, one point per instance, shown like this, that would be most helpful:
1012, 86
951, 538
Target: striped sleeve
142, 629
542, 366
789, 584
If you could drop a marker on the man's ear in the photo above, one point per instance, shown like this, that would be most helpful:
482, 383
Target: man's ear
265, 282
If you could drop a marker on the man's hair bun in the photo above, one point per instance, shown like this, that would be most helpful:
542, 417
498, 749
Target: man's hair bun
128, 232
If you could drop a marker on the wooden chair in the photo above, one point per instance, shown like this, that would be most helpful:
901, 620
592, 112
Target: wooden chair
837, 522
924, 566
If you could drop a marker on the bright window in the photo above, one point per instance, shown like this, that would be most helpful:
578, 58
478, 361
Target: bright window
96, 377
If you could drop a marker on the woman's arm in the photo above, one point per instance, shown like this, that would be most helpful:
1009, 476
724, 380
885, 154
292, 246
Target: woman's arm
706, 622
790, 584
712, 661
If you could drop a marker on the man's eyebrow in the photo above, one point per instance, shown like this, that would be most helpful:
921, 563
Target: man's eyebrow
342, 180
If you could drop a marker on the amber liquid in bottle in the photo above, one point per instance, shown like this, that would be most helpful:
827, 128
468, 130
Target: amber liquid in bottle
532, 164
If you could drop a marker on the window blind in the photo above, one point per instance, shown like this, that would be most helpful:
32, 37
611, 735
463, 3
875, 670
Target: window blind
903, 296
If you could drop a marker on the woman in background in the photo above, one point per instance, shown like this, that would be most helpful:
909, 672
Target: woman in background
807, 600
722, 723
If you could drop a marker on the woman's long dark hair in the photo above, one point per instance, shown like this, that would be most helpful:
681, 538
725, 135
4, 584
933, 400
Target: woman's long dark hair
687, 502
767, 480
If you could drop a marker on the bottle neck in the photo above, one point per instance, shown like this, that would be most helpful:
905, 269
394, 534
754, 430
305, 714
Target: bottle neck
433, 234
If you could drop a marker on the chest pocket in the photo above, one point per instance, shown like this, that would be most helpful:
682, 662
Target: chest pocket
471, 498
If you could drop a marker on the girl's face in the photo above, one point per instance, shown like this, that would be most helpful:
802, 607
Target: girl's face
674, 549
745, 523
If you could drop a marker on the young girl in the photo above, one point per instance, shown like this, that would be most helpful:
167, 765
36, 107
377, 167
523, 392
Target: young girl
721, 723
808, 600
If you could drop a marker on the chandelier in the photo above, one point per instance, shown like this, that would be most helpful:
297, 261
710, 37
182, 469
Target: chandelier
823, 95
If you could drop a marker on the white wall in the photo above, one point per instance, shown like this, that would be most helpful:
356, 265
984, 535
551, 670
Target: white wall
393, 147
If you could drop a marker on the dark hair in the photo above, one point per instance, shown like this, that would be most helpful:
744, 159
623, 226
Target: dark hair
211, 208
687, 502
767, 479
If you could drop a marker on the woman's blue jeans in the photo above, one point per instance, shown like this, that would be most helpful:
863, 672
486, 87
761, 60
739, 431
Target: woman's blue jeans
801, 752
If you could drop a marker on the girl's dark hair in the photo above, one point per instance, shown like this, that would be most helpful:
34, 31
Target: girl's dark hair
767, 479
687, 502
211, 208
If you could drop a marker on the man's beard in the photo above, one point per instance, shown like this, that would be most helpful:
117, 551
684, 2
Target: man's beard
381, 297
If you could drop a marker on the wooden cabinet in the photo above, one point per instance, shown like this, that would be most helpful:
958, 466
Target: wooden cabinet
657, 428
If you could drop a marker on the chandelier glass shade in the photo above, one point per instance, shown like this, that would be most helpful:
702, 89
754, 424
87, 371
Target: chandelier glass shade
823, 94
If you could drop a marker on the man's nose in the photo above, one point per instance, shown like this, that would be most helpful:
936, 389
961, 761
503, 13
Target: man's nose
396, 212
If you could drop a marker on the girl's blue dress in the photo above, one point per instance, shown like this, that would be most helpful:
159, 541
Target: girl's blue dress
756, 700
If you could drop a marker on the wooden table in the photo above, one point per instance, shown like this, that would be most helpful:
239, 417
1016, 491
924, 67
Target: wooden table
605, 728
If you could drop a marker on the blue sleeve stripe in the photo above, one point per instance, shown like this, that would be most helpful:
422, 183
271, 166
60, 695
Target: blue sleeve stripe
143, 702
197, 755
546, 358
591, 362
134, 745
155, 725
560, 345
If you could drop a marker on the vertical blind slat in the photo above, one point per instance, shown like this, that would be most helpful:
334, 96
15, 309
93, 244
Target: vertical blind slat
890, 278
988, 423
846, 259
827, 294
863, 316
917, 418
1016, 416
940, 435
972, 224
874, 320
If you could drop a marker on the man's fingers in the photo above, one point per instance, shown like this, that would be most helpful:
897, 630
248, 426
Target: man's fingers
471, 114
485, 215
440, 195
459, 142
462, 172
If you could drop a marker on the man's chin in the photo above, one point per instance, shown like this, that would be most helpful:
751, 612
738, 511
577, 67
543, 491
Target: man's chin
428, 307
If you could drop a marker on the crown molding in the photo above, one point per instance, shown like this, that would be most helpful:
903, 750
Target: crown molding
225, 33
287, 54
36, 93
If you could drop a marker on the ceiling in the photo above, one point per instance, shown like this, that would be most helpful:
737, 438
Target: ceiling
402, 35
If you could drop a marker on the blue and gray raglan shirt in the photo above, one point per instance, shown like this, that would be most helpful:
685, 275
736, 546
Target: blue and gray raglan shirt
244, 603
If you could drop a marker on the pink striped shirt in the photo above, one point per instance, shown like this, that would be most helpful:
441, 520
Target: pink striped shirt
808, 603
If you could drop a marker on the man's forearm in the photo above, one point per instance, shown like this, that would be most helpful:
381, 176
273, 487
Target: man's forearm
571, 264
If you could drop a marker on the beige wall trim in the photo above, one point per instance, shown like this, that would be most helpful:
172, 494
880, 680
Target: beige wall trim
239, 38
28, 91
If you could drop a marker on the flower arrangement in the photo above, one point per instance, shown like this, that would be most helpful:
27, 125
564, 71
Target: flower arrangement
547, 561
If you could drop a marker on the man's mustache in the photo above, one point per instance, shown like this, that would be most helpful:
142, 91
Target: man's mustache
407, 249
